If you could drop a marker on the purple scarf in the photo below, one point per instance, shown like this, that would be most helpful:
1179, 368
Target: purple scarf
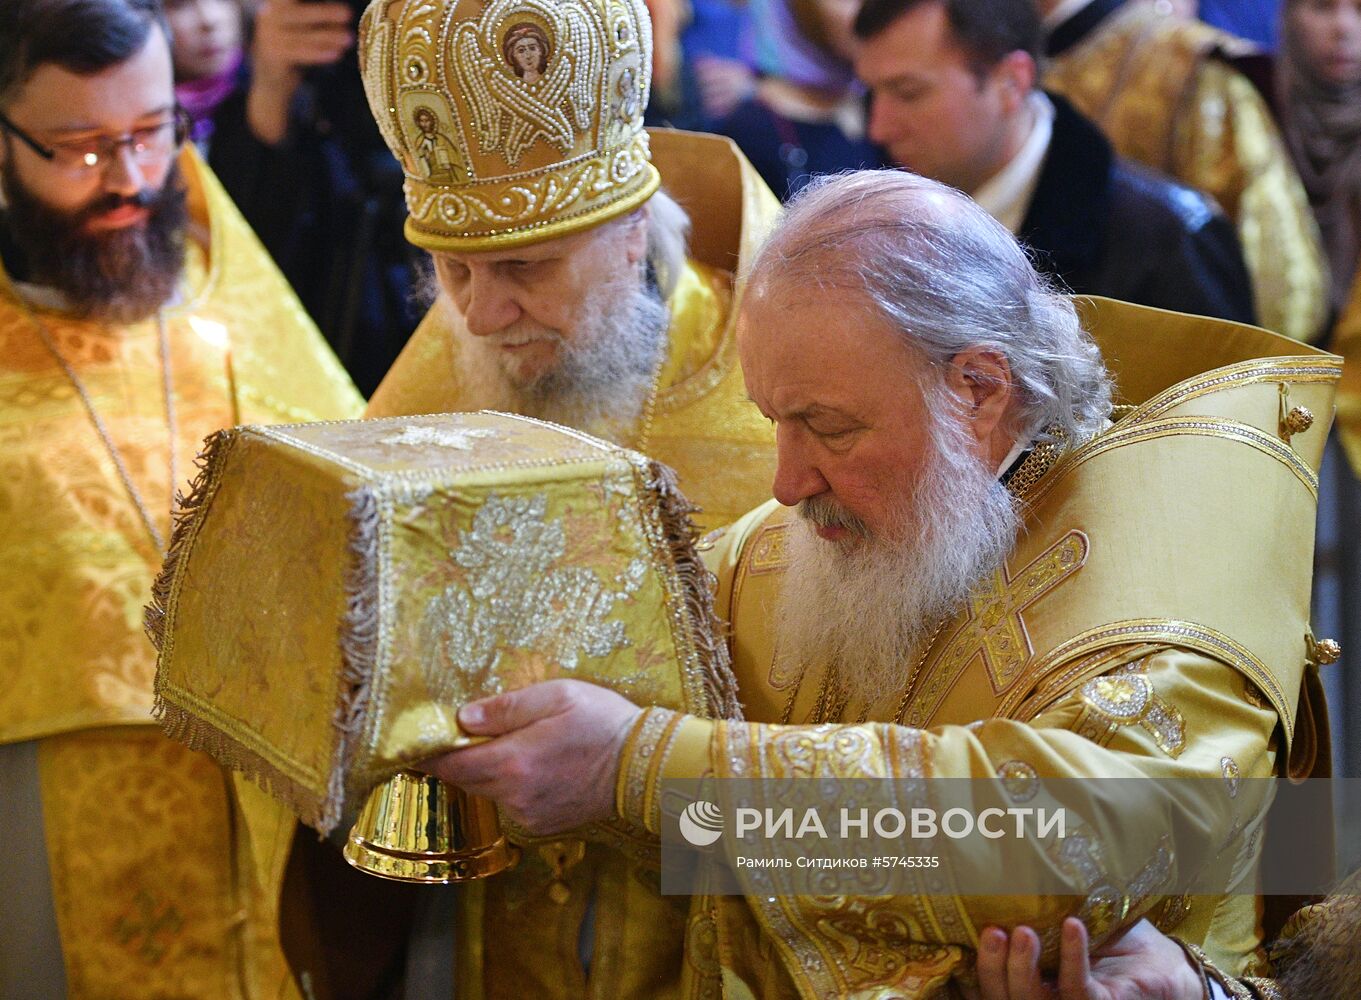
201, 98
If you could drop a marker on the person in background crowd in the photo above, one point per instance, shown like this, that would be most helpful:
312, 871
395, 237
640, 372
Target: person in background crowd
137, 315
1317, 86
1319, 99
669, 18
298, 152
1163, 89
207, 40
955, 99
805, 115
713, 75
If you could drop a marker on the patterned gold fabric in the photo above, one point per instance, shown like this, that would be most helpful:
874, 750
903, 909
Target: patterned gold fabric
448, 558
139, 832
145, 907
514, 936
704, 426
1315, 954
1155, 85
485, 552
514, 120
1108, 645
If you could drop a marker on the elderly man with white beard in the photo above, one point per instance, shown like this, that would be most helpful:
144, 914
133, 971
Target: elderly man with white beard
987, 558
583, 276
573, 287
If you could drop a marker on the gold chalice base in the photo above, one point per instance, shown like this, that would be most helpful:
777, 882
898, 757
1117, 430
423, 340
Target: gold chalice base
415, 828
418, 867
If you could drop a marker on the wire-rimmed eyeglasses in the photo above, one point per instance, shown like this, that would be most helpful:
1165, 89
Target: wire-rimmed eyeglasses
149, 144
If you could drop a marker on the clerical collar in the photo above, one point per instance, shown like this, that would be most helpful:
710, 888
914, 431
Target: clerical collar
1015, 458
1006, 196
1073, 20
1033, 460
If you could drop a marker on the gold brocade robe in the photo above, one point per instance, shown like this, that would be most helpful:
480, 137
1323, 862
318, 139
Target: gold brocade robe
519, 933
1158, 89
140, 831
1151, 621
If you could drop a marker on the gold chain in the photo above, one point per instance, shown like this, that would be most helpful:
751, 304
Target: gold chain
650, 404
1038, 463
825, 709
50, 343
912, 677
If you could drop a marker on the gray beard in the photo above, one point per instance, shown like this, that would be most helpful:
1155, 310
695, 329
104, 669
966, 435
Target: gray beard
867, 610
603, 372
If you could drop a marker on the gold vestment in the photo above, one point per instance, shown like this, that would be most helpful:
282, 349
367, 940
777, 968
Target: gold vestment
1150, 621
518, 932
140, 831
1156, 86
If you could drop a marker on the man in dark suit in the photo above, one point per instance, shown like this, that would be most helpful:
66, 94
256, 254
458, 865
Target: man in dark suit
955, 99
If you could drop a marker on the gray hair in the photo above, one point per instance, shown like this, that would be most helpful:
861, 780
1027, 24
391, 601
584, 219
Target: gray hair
668, 237
948, 277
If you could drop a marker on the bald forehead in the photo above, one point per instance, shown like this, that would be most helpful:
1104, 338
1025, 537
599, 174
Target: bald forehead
813, 352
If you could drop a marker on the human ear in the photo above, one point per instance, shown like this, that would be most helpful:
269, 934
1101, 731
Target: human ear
1015, 75
981, 380
635, 237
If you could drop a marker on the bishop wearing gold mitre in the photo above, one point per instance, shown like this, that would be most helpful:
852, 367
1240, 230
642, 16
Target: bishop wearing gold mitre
567, 289
138, 314
569, 292
1164, 91
994, 561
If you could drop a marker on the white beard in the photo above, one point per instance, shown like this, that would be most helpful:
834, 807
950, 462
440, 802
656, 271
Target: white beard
868, 608
603, 372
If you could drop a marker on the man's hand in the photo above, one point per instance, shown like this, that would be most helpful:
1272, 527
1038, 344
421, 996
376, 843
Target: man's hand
555, 756
290, 36
1139, 964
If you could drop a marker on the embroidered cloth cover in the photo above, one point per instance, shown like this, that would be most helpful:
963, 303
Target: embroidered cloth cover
335, 591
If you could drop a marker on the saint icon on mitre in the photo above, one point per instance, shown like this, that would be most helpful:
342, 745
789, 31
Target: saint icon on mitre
435, 150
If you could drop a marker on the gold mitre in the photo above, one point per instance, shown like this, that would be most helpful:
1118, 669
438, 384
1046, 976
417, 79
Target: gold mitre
515, 120
336, 591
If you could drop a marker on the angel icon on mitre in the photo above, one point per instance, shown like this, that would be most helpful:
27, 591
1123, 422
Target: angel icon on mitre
530, 70
526, 48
